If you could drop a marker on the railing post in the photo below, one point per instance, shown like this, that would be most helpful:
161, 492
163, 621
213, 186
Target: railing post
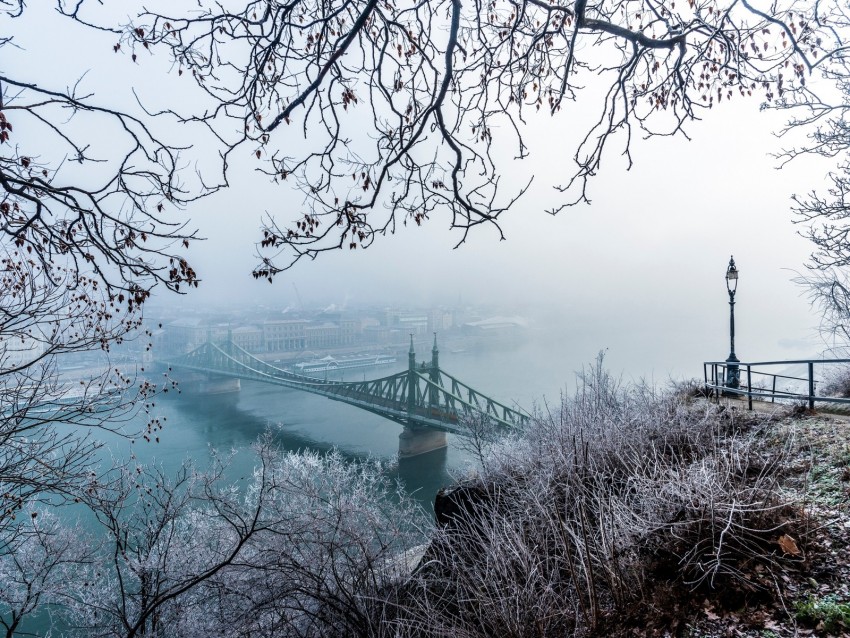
714, 382
773, 394
749, 387
811, 366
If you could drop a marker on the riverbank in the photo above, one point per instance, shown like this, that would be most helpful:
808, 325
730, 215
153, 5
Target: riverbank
810, 595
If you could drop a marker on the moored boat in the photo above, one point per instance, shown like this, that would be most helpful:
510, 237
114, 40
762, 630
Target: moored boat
334, 364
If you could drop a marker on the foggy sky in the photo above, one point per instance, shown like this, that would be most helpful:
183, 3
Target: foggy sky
640, 271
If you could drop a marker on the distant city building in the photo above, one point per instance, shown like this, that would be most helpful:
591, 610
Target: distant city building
440, 320
280, 335
384, 335
185, 334
328, 329
250, 338
415, 323
495, 326
324, 335
349, 331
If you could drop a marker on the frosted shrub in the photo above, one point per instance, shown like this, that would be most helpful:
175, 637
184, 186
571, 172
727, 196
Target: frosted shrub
836, 382
36, 565
309, 548
617, 489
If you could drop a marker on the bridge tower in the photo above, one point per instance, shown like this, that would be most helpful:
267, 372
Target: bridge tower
434, 375
411, 379
418, 440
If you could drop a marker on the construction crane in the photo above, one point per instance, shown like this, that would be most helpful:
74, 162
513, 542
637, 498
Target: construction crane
298, 294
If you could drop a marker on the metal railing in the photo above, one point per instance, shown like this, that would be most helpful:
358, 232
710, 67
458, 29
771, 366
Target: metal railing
716, 374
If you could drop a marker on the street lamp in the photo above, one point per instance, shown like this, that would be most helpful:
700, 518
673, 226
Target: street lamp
733, 372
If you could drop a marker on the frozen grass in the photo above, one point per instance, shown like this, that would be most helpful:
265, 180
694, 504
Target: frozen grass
602, 506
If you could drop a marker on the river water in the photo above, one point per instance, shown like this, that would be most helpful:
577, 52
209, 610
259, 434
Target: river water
524, 374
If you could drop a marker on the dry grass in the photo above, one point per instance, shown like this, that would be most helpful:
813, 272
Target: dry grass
598, 513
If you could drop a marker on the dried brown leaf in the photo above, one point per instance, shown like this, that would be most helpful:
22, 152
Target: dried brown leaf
788, 545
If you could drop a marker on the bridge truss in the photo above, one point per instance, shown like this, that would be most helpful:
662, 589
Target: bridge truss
423, 396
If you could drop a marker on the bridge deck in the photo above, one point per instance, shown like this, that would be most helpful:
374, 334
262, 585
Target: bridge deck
423, 396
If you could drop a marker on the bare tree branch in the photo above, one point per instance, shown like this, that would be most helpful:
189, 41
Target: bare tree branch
392, 108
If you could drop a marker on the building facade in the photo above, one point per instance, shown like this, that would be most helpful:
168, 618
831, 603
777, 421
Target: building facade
280, 335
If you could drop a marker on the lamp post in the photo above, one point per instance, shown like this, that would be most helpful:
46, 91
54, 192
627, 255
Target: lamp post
733, 372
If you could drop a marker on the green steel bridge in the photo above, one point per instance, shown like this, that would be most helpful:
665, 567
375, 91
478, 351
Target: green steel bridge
422, 398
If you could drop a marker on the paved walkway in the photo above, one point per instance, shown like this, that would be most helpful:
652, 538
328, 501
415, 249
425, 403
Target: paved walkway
839, 412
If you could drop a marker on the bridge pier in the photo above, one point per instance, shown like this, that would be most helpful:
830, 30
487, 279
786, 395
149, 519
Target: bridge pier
414, 441
218, 385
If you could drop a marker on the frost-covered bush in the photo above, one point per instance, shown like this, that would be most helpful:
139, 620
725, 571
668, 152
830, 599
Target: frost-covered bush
619, 488
836, 382
36, 565
309, 548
